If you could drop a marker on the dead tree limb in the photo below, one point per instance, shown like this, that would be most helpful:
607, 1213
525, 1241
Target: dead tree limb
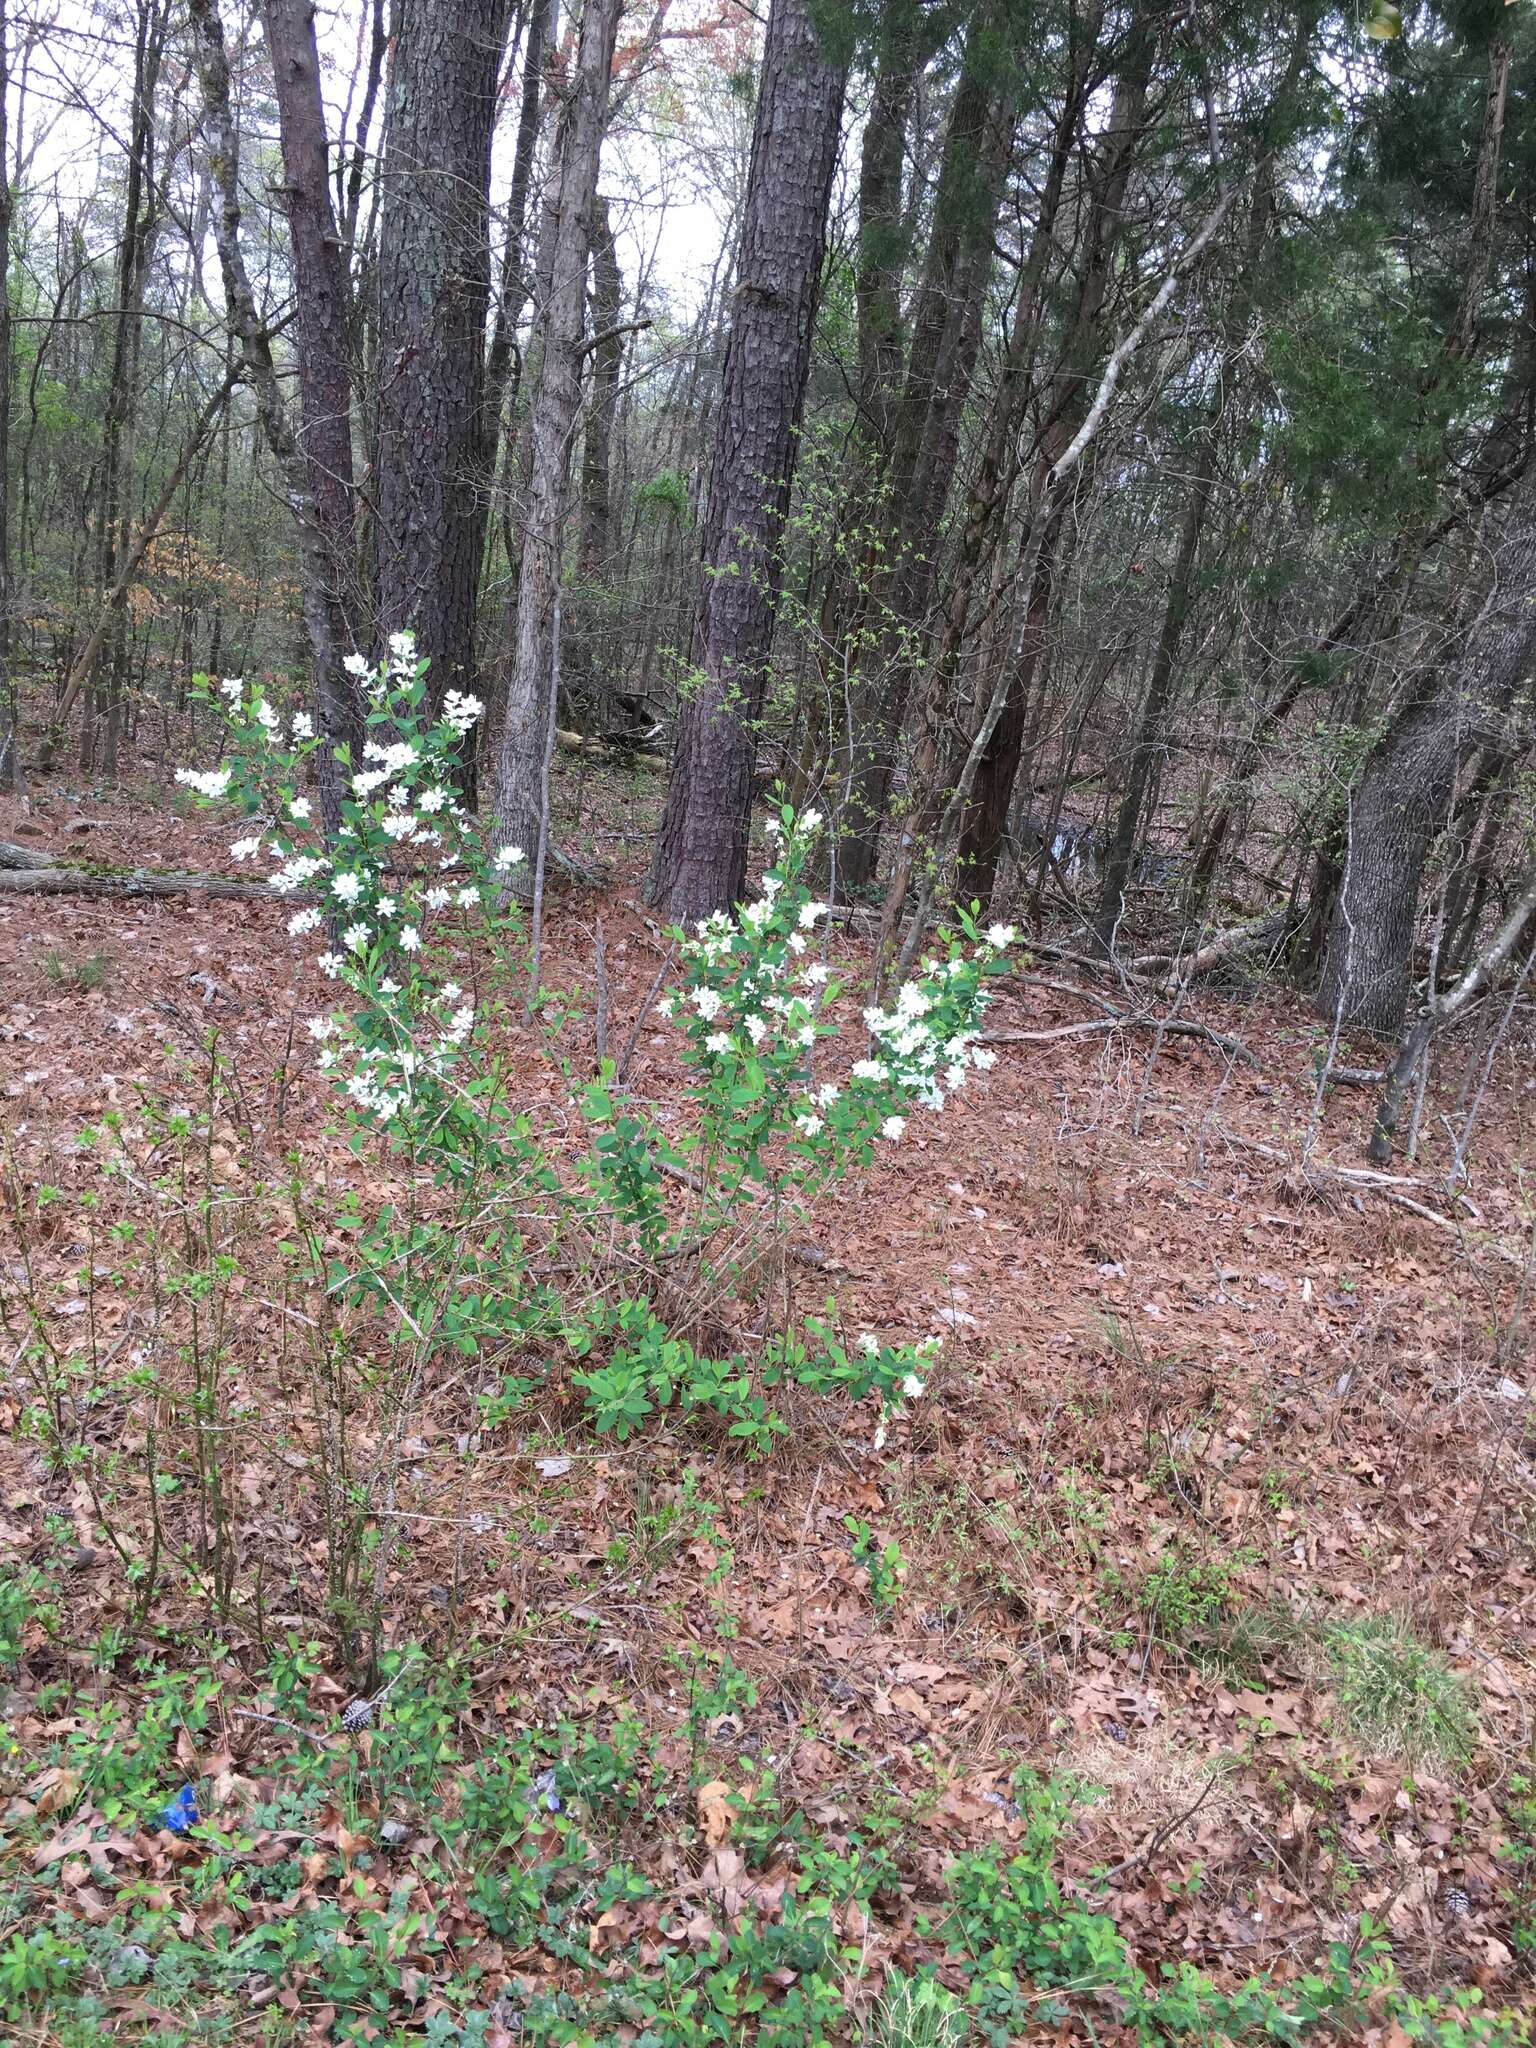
1442, 1010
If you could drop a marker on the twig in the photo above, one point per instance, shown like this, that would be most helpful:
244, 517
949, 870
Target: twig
1156, 1839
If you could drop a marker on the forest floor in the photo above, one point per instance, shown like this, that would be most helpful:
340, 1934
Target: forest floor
1201, 1421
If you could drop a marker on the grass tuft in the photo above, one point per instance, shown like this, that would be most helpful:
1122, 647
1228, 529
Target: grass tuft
917, 2012
1398, 1694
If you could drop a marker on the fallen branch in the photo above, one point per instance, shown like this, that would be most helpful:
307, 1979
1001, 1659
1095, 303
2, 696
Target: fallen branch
1123, 1020
1391, 1187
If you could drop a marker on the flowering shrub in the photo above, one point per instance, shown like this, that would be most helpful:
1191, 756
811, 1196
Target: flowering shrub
407, 861
408, 870
754, 1006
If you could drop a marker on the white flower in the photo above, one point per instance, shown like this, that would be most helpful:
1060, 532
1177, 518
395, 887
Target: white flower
806, 1035
718, 1041
303, 921
321, 1027
451, 991
437, 899
460, 710
984, 1058
214, 783
771, 887
893, 1127
356, 664
911, 1002
410, 938
402, 646
325, 1059
1001, 935
867, 1070
815, 974
912, 1386
509, 857
869, 1345
331, 964
233, 688
666, 1006
266, 717
707, 1002
755, 1029
347, 886
955, 1076
299, 808
303, 726
399, 796
399, 825
242, 849
389, 987
295, 873
772, 828
880, 1434
828, 1094
809, 912
367, 780
469, 899
386, 906
432, 800
811, 821
809, 1124
795, 943
355, 937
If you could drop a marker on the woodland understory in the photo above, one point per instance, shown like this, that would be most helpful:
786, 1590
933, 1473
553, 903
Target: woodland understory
767, 1034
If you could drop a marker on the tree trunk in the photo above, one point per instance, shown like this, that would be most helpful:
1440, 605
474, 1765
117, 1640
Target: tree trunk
1408, 785
607, 361
117, 422
10, 724
433, 291
920, 417
701, 854
985, 827
337, 709
1442, 1010
525, 710
324, 436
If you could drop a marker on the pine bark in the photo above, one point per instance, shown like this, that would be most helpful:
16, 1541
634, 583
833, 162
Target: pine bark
338, 713
433, 294
324, 431
701, 855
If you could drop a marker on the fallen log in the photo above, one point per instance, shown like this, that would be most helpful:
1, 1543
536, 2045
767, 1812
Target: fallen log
606, 750
28, 871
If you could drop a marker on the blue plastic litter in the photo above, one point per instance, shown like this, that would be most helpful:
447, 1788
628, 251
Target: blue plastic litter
181, 1813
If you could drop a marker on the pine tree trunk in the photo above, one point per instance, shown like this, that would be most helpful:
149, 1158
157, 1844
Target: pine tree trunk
701, 854
324, 433
433, 292
337, 711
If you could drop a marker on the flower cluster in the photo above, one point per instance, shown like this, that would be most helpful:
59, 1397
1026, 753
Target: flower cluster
406, 855
755, 1004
